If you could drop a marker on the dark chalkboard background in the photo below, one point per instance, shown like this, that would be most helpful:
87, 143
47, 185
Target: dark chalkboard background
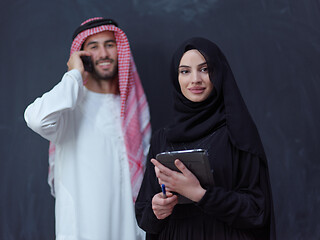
273, 48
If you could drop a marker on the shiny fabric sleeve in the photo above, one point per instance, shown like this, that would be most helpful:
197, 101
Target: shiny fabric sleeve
247, 205
44, 115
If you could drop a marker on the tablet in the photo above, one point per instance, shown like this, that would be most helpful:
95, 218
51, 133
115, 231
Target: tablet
196, 160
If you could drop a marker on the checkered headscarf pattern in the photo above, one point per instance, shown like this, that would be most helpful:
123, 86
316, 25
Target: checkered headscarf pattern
134, 107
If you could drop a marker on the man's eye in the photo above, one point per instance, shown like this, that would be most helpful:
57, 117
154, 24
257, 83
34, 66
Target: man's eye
110, 45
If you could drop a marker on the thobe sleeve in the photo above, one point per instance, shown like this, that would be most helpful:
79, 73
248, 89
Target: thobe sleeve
143, 207
45, 114
248, 204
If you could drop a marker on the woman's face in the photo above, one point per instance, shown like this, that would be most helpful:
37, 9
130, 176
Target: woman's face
193, 76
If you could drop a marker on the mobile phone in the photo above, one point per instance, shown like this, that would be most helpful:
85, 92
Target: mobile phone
87, 63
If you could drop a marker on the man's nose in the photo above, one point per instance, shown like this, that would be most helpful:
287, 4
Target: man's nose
104, 53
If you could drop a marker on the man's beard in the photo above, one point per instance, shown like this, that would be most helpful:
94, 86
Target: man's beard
107, 76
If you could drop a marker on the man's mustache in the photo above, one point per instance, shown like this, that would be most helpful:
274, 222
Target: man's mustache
105, 59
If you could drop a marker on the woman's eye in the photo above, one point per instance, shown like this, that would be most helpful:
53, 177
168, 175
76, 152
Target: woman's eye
183, 71
205, 69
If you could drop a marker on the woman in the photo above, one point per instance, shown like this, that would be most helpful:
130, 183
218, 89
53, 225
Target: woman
210, 114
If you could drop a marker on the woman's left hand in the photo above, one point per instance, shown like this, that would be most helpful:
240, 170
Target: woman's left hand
184, 183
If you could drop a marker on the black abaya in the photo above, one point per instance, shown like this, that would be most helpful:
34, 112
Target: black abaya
239, 205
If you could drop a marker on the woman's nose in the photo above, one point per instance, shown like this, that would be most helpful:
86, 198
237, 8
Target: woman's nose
196, 78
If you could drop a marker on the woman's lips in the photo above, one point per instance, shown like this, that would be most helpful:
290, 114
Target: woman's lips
197, 90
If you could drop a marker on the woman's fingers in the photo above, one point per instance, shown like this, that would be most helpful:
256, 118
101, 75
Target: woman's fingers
184, 170
162, 207
161, 167
163, 173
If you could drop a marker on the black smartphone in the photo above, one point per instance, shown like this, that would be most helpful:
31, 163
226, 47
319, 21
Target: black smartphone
87, 63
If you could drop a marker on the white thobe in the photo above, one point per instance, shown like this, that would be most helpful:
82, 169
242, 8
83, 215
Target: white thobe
91, 175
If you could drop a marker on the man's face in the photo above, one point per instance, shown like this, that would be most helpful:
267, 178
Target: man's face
103, 49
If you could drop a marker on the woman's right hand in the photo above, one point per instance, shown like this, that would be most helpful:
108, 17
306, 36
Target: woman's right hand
162, 207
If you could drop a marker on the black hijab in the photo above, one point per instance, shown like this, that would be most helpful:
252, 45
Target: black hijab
224, 106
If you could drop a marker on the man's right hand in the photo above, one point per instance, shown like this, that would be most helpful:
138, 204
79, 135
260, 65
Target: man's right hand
75, 61
162, 207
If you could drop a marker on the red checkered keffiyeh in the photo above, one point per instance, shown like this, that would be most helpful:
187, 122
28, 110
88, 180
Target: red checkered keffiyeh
134, 107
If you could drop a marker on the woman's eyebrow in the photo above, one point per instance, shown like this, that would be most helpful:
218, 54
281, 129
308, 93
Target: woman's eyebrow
201, 64
184, 66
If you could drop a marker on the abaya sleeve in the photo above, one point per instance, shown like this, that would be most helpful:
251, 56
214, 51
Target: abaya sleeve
143, 207
247, 204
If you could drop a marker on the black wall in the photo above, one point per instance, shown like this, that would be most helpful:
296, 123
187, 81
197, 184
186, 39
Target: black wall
273, 48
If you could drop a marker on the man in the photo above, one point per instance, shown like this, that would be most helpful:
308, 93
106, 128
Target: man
99, 129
